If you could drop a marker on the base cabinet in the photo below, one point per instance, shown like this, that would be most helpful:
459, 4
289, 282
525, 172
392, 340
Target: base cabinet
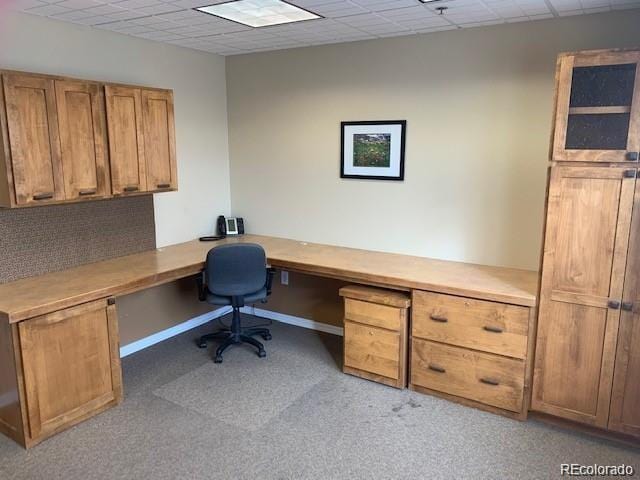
67, 367
475, 352
375, 334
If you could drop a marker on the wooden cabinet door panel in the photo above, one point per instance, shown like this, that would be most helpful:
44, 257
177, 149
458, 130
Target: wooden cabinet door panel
33, 137
588, 221
71, 365
81, 118
603, 124
126, 140
159, 138
625, 396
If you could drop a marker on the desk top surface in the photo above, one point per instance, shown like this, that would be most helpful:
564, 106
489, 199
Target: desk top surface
43, 294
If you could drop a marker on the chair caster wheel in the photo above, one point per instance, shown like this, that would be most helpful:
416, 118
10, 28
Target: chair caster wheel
218, 359
201, 344
267, 336
262, 353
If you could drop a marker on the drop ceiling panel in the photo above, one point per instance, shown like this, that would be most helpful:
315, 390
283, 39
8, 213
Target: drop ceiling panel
175, 21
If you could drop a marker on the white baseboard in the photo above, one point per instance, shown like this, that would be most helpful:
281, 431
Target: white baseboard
172, 332
293, 320
209, 316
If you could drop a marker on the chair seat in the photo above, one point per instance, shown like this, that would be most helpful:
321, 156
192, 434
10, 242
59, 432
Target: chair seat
252, 297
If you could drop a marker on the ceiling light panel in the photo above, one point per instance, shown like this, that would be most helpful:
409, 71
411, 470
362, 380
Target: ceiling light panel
259, 13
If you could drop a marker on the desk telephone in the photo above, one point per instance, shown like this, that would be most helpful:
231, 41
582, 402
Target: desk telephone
226, 226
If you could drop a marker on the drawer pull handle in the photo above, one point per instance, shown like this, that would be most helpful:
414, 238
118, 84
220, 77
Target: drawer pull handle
83, 193
436, 368
43, 196
163, 185
439, 318
131, 188
491, 329
490, 381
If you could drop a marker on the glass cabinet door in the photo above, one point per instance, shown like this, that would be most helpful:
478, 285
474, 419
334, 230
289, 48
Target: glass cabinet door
598, 108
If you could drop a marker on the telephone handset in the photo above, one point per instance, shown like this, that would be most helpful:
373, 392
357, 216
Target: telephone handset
226, 226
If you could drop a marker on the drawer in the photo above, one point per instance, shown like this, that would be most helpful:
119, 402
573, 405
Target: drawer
481, 325
374, 314
372, 349
483, 377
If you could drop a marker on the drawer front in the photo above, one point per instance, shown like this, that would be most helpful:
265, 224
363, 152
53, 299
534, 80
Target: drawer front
372, 349
481, 325
485, 378
374, 314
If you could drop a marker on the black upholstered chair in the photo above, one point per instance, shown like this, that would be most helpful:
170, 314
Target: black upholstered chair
235, 275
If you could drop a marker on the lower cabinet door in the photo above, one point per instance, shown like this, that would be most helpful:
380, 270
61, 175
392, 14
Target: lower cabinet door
625, 396
70, 365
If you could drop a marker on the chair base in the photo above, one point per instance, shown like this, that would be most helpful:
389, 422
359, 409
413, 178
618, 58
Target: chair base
235, 336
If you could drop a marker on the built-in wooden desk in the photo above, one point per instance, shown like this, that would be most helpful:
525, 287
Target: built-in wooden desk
37, 312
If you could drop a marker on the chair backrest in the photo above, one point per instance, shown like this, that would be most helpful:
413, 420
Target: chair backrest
236, 270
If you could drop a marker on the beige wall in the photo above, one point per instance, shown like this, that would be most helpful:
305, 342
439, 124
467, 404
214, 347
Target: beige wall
478, 106
43, 45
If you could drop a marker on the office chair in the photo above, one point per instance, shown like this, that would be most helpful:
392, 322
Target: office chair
234, 275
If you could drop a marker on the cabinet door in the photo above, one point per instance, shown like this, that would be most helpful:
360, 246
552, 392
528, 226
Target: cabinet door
81, 118
625, 396
33, 138
159, 139
588, 219
71, 366
597, 107
126, 140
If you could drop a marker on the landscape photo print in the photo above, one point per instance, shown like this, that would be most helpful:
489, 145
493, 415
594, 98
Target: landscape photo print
373, 150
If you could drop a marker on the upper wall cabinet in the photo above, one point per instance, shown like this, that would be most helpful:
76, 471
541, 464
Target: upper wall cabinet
83, 139
32, 144
597, 107
142, 134
68, 140
159, 139
126, 142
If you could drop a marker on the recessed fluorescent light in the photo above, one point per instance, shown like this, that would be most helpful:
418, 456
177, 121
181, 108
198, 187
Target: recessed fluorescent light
429, 1
259, 13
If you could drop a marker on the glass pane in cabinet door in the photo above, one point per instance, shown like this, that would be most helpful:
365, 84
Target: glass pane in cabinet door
602, 86
597, 131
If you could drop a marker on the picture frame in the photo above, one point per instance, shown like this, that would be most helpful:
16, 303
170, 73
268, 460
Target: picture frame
373, 150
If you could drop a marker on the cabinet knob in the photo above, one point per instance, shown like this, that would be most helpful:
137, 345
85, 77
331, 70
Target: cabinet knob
632, 156
614, 304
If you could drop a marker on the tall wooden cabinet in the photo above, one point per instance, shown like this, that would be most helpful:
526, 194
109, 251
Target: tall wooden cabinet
587, 364
70, 140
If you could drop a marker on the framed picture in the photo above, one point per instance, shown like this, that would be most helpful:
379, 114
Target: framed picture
373, 150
